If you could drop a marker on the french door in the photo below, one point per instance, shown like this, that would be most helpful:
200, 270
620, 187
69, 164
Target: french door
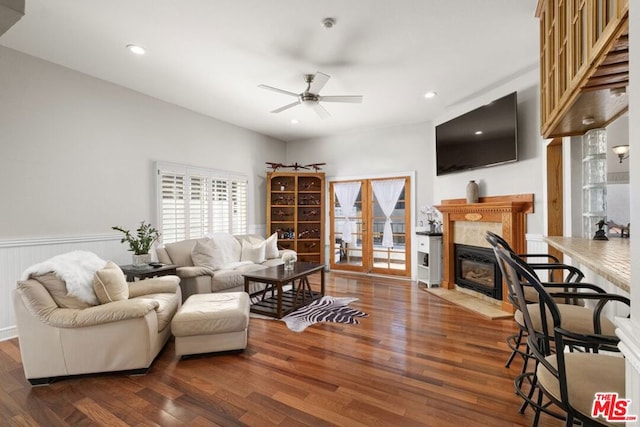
369, 225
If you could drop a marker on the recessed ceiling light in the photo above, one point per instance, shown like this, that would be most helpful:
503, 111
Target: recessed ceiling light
478, 132
328, 22
586, 121
294, 121
430, 94
134, 48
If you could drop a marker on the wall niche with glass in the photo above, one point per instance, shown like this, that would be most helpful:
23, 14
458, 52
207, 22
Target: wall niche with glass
603, 180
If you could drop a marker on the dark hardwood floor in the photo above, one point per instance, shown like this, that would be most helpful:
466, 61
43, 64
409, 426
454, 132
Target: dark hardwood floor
416, 360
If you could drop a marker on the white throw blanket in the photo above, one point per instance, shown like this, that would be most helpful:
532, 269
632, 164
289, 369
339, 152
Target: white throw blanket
76, 269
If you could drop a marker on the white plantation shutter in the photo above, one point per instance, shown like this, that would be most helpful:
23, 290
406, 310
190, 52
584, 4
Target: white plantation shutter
220, 205
196, 201
238, 205
199, 198
172, 207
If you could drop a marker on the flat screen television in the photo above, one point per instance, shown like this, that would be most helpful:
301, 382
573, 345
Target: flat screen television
486, 136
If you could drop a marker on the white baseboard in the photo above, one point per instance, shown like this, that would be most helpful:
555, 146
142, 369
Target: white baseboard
8, 333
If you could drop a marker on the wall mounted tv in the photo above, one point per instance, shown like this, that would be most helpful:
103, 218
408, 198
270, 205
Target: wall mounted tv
486, 136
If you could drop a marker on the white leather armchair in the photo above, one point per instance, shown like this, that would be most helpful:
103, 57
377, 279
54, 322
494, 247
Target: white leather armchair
122, 335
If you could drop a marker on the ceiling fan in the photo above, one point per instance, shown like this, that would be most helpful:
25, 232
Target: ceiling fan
311, 97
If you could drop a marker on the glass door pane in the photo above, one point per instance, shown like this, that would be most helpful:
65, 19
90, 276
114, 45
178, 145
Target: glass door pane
347, 255
393, 260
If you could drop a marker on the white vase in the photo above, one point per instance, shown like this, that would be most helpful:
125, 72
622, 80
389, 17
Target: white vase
141, 261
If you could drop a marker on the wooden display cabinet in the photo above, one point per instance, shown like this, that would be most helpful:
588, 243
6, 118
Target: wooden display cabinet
584, 64
295, 210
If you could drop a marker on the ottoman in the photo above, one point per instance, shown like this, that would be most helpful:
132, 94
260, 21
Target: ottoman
208, 323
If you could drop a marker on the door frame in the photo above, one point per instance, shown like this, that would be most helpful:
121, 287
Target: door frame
411, 246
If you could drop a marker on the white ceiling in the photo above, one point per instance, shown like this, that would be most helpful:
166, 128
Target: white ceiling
210, 55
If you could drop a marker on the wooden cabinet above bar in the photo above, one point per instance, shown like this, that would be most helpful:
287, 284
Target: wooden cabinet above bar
584, 64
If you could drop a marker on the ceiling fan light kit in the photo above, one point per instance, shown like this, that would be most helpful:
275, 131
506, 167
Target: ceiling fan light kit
311, 97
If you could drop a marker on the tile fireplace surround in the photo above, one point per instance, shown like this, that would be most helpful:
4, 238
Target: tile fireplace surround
467, 223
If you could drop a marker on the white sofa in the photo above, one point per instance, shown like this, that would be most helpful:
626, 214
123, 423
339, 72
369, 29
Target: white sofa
216, 263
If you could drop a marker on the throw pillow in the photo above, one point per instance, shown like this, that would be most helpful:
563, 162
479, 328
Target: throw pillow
57, 288
271, 245
207, 254
230, 247
254, 253
110, 284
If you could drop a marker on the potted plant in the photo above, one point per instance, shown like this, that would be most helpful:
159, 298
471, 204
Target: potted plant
140, 243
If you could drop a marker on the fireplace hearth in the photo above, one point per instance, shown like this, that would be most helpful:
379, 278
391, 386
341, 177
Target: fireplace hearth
476, 268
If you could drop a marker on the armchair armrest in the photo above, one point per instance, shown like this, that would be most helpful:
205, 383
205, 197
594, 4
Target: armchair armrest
99, 314
602, 301
574, 274
573, 286
189, 272
553, 258
154, 285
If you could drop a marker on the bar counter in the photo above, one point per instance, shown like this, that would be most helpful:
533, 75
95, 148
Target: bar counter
608, 258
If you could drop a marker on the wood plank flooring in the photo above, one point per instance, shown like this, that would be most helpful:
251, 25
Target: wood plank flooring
417, 360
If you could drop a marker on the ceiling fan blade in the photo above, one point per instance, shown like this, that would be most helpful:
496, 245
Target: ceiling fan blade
286, 107
275, 89
355, 99
318, 82
320, 111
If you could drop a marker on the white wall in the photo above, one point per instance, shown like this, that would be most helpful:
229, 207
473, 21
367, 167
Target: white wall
78, 152
523, 176
77, 157
629, 329
412, 148
379, 152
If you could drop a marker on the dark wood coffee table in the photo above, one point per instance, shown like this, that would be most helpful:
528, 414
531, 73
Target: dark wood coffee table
274, 302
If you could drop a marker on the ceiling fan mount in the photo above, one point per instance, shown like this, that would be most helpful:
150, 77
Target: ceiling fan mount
311, 97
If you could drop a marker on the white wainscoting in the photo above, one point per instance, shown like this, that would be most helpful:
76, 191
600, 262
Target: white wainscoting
17, 255
535, 245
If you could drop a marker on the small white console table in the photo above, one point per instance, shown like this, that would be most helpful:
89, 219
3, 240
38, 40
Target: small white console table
429, 258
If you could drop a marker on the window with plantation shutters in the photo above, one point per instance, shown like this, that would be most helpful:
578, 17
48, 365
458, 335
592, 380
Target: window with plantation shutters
172, 207
195, 201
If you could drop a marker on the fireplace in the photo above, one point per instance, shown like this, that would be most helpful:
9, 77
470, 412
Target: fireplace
476, 268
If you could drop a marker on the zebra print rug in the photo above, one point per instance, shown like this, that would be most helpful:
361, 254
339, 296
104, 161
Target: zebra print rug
326, 309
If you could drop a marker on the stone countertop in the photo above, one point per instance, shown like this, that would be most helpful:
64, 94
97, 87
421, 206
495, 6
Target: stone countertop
609, 258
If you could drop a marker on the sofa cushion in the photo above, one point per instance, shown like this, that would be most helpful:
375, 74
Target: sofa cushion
57, 288
229, 247
253, 252
271, 250
226, 279
180, 252
207, 254
37, 298
110, 284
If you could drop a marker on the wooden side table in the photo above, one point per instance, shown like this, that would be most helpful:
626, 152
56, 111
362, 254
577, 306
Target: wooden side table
134, 273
